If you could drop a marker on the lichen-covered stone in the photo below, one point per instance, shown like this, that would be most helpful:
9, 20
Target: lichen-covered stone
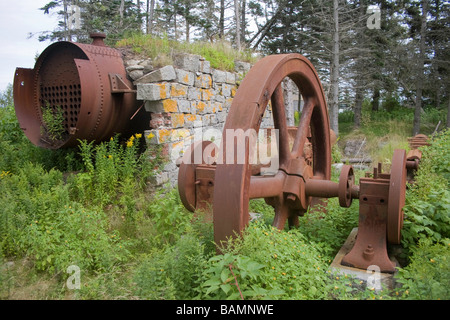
153, 91
166, 73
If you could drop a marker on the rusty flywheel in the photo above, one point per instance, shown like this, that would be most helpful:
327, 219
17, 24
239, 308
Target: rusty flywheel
234, 185
225, 178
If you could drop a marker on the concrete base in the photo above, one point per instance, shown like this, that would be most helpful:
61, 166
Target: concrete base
371, 276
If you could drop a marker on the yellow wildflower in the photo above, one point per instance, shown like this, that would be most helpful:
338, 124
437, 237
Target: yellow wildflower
129, 143
138, 135
4, 174
151, 135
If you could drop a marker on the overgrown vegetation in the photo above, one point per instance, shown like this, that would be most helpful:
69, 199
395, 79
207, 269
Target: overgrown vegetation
53, 119
388, 128
161, 50
92, 207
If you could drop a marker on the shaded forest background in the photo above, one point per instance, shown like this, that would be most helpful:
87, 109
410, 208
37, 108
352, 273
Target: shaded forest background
398, 57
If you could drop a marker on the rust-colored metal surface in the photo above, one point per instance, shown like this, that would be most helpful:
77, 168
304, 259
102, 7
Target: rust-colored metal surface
381, 200
413, 159
229, 181
418, 141
414, 156
397, 193
196, 177
86, 84
234, 183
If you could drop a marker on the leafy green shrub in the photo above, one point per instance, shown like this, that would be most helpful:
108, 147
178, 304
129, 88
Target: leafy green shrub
391, 103
40, 221
427, 219
112, 173
428, 275
267, 264
436, 157
53, 119
170, 217
330, 230
74, 237
17, 150
31, 194
172, 273
346, 116
428, 200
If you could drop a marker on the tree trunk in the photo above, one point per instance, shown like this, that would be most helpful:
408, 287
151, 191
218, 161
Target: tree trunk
238, 25
376, 99
150, 13
66, 22
358, 105
188, 30
175, 25
420, 69
334, 83
222, 20
360, 67
243, 24
121, 12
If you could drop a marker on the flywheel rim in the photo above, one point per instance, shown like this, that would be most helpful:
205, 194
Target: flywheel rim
259, 86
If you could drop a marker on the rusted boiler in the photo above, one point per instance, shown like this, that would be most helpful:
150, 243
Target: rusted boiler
84, 84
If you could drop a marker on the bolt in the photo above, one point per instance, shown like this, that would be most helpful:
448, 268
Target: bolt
368, 253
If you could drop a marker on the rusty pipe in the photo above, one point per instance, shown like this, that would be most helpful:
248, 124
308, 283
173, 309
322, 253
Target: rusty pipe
266, 187
321, 188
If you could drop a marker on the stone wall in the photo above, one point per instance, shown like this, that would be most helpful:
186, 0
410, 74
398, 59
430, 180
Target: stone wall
189, 101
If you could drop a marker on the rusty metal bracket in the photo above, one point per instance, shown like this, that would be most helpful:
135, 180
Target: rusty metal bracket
381, 202
118, 85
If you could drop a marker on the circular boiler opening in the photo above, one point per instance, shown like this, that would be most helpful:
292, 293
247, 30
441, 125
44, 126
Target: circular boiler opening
58, 89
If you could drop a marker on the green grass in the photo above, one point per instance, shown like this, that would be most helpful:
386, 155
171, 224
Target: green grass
161, 50
387, 129
91, 207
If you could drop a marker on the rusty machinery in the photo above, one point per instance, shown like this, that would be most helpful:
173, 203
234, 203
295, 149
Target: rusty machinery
87, 83
414, 155
304, 171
